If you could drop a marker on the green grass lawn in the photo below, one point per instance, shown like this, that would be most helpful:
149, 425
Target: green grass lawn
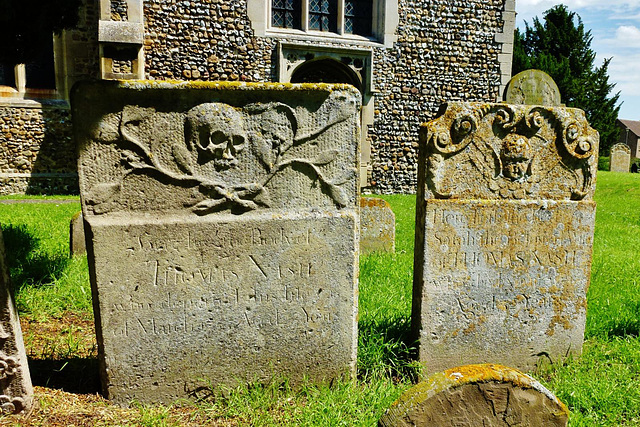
602, 387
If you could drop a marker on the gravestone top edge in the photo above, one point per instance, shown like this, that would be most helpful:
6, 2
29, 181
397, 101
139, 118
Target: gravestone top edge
142, 85
532, 87
469, 374
621, 146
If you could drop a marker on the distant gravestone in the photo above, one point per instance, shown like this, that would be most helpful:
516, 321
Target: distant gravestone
477, 395
634, 168
620, 158
505, 222
223, 243
532, 87
77, 245
377, 226
16, 392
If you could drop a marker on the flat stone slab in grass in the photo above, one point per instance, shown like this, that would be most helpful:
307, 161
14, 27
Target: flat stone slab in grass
620, 159
477, 395
505, 222
16, 392
377, 226
223, 243
77, 245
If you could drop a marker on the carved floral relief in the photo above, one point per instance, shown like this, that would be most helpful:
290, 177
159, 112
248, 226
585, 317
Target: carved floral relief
501, 151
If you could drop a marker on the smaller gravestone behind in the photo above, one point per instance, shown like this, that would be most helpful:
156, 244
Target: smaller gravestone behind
532, 87
477, 395
77, 245
634, 168
377, 226
620, 158
16, 392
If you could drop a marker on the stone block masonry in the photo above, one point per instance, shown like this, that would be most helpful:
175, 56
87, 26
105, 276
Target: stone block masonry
223, 233
504, 235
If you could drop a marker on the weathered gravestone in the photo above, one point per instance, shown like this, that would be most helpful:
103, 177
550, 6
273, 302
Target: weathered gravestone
477, 395
223, 224
620, 159
532, 87
504, 234
16, 392
77, 245
377, 226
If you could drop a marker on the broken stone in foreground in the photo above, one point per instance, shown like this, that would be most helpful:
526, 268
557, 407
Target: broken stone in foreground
223, 233
505, 222
16, 391
477, 395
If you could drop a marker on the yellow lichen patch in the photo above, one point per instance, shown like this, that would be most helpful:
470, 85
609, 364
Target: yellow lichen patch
464, 375
233, 85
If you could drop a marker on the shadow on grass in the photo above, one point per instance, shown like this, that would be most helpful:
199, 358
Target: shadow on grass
73, 375
29, 265
630, 326
386, 348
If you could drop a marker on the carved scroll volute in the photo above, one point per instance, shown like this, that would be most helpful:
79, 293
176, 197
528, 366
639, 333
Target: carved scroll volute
502, 151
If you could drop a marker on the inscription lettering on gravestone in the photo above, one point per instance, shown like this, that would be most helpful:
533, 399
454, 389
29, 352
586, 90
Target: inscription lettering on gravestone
16, 391
504, 235
223, 242
620, 159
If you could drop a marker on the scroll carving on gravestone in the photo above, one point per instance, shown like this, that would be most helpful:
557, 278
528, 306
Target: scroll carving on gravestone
504, 229
499, 151
223, 233
477, 395
15, 383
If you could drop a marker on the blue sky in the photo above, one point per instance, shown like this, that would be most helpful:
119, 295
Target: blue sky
615, 26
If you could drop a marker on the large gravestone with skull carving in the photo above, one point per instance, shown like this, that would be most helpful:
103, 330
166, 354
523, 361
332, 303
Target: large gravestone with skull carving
504, 234
222, 228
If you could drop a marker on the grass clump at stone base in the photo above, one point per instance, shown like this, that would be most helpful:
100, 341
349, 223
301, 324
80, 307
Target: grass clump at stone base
601, 387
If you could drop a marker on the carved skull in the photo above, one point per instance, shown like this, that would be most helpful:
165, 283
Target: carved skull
217, 132
516, 156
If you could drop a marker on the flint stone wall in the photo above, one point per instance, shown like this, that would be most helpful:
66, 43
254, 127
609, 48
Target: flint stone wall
504, 235
223, 233
16, 391
37, 155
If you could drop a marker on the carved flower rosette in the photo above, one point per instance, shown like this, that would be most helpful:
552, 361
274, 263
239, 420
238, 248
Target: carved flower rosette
500, 151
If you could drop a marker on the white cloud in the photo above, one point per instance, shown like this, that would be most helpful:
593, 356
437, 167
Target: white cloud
627, 36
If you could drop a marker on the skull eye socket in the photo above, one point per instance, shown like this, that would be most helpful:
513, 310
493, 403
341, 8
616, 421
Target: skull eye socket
218, 137
238, 140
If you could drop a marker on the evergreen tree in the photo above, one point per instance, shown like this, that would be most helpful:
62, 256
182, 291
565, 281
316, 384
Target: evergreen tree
561, 47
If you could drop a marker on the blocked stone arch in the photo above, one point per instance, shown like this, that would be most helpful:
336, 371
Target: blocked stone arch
326, 70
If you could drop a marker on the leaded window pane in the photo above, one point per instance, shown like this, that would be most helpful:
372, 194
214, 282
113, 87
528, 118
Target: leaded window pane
358, 16
286, 13
323, 15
